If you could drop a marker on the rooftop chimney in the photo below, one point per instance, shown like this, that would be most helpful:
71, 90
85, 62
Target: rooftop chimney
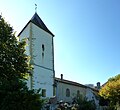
61, 76
98, 85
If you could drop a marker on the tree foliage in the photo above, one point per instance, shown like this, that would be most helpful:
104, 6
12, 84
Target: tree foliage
13, 60
84, 104
111, 90
14, 66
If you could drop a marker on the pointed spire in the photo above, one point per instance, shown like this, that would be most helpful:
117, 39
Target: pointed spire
37, 21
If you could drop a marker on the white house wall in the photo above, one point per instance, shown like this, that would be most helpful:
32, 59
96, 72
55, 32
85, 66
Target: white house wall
61, 91
87, 92
41, 37
43, 73
43, 76
43, 79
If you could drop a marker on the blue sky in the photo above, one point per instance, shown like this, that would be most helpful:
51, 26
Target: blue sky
87, 34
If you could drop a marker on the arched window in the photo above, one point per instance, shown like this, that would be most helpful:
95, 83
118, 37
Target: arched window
67, 92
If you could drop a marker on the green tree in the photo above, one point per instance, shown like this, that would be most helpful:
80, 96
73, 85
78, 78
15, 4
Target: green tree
84, 104
14, 67
111, 91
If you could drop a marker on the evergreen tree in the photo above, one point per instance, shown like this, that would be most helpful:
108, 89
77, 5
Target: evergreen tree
14, 67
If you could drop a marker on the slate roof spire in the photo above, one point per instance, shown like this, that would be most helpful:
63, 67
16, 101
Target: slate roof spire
37, 21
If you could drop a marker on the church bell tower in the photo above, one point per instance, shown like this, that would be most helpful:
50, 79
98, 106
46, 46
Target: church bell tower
41, 50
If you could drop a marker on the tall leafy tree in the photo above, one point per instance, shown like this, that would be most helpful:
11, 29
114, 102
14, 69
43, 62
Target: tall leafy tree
14, 67
111, 91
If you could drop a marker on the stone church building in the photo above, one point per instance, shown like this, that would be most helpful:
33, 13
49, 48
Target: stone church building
40, 48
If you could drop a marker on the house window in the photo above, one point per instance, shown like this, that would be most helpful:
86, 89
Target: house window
43, 92
67, 92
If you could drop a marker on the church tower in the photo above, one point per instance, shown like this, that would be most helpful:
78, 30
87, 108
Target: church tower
41, 50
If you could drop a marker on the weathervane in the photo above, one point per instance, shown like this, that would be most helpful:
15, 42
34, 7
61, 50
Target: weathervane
36, 8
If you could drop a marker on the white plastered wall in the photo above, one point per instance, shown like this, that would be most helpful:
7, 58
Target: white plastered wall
43, 72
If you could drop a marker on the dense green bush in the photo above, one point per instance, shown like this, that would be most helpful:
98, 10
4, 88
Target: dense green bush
84, 104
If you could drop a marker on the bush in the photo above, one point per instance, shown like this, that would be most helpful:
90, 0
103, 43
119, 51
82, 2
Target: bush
84, 104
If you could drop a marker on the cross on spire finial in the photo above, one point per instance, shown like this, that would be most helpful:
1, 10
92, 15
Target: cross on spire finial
35, 8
